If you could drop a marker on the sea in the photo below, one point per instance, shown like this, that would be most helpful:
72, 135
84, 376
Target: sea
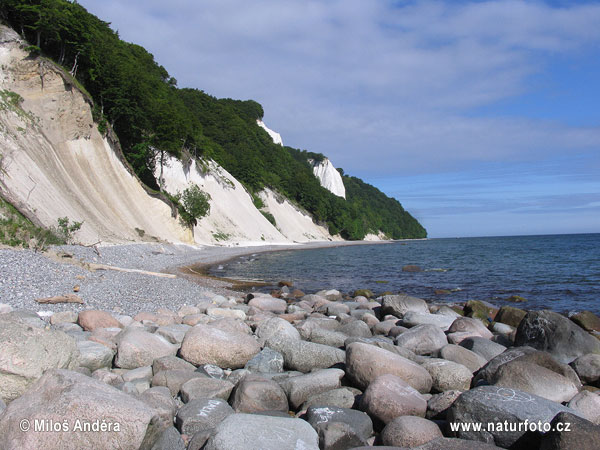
558, 272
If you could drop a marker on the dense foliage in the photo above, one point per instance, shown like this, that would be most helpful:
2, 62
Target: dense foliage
143, 105
193, 205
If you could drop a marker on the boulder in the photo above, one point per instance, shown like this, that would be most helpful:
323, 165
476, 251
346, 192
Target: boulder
258, 432
581, 434
137, 348
338, 435
510, 315
202, 414
470, 325
423, 339
360, 422
342, 398
174, 379
588, 405
27, 352
494, 404
94, 356
587, 320
170, 362
159, 399
389, 396
448, 375
268, 303
364, 363
409, 431
528, 377
398, 305
78, 403
276, 327
438, 404
483, 347
169, 439
305, 356
358, 328
91, 319
328, 337
255, 394
463, 356
204, 344
480, 310
300, 388
173, 333
587, 367
205, 387
267, 361
549, 331
412, 319
487, 372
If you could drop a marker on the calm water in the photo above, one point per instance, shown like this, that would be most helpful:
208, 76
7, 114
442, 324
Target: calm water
559, 272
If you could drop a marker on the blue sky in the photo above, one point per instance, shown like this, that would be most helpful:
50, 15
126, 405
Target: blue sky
481, 117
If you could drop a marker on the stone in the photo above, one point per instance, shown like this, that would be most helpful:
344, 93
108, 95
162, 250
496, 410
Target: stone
453, 444
588, 405
25, 317
64, 317
486, 404
173, 333
367, 293
587, 320
328, 337
410, 431
389, 396
259, 432
438, 404
94, 356
169, 439
487, 372
205, 387
276, 327
411, 268
27, 352
108, 377
300, 388
159, 399
305, 356
170, 362
341, 397
448, 375
204, 344
360, 422
412, 319
91, 319
338, 436
510, 315
480, 310
528, 377
364, 363
255, 394
468, 324
587, 368
67, 397
268, 303
137, 348
357, 328
266, 361
226, 313
581, 434
549, 331
212, 371
202, 414
174, 379
423, 339
461, 355
398, 305
483, 347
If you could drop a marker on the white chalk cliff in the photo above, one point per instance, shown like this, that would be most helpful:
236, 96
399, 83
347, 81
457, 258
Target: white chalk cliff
55, 163
274, 135
328, 176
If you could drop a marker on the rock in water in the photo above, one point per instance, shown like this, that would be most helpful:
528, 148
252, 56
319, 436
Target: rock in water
551, 332
77, 403
27, 352
495, 405
204, 344
256, 432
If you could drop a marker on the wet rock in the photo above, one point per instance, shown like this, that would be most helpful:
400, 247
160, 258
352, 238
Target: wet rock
63, 396
300, 388
204, 344
254, 394
448, 375
205, 387
257, 432
480, 310
398, 305
510, 315
411, 268
137, 348
202, 414
587, 320
410, 431
487, 404
364, 363
463, 356
389, 396
423, 339
483, 347
27, 352
549, 331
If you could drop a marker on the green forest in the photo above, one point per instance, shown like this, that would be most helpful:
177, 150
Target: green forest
138, 98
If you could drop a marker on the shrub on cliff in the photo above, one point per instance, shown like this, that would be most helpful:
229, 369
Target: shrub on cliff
193, 205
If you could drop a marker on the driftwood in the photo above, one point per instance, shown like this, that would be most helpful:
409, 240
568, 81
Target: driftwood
69, 298
94, 266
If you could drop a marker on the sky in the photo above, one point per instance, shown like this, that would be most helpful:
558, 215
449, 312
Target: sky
481, 117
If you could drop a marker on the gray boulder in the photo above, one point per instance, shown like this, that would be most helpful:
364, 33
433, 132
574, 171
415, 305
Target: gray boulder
137, 348
205, 387
169, 439
461, 355
202, 414
360, 422
341, 397
398, 305
255, 394
587, 368
412, 319
300, 388
423, 339
70, 398
94, 356
27, 352
448, 375
581, 434
305, 356
267, 361
257, 432
562, 338
410, 431
483, 347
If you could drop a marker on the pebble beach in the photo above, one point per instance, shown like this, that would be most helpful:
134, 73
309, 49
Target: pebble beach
124, 346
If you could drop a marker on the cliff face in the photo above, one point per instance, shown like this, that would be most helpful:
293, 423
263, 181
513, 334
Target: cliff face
55, 163
274, 135
329, 177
